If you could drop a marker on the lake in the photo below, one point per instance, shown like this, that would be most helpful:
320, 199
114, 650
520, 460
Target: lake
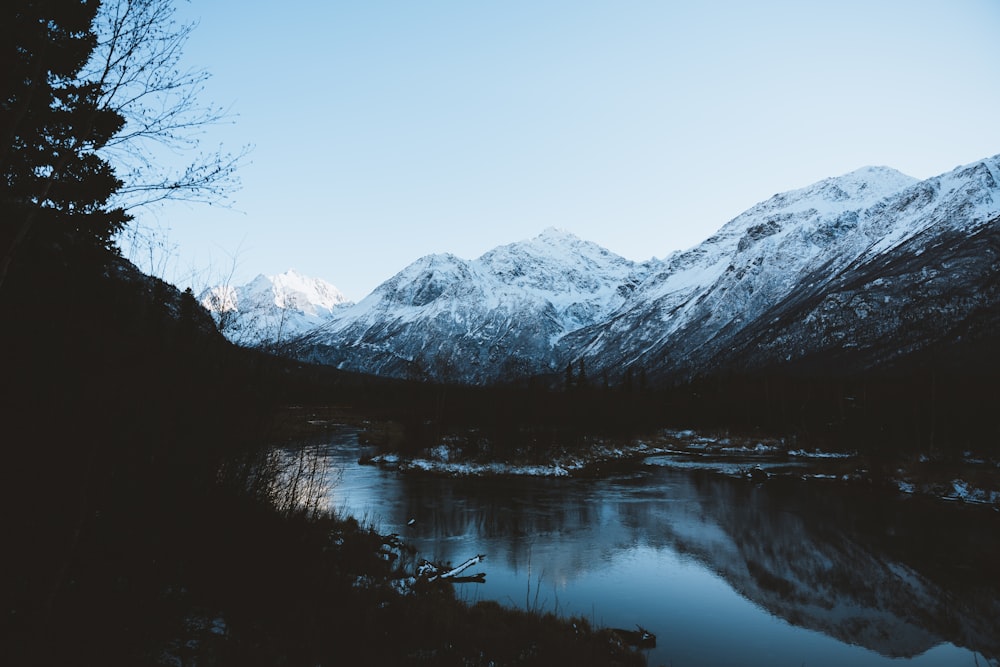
724, 571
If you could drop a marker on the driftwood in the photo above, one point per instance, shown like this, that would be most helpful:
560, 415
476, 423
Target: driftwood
431, 572
640, 637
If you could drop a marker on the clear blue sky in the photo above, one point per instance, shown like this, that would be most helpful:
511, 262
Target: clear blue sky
384, 131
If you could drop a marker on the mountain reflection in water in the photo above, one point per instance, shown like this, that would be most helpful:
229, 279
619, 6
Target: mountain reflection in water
722, 570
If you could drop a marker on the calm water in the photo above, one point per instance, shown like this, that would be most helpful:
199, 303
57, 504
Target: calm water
723, 571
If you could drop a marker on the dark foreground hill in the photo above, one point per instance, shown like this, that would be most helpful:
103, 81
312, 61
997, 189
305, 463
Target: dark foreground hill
143, 515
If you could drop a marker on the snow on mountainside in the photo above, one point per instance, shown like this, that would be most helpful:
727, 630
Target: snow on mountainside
687, 318
755, 259
483, 320
581, 280
930, 275
269, 310
871, 265
789, 230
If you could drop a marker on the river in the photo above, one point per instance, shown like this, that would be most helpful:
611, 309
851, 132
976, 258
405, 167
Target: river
722, 570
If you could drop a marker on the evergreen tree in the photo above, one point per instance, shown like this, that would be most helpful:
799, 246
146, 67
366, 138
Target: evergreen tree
91, 95
54, 186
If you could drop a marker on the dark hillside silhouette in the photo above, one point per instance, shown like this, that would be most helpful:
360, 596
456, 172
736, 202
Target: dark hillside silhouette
145, 520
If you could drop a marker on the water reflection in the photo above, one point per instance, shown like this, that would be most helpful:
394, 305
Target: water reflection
784, 571
895, 577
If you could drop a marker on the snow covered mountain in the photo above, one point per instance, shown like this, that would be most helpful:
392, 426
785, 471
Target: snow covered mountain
854, 271
936, 285
270, 310
848, 263
486, 320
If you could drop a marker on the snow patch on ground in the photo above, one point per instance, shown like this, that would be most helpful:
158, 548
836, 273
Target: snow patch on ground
752, 458
956, 490
817, 454
446, 460
965, 492
758, 449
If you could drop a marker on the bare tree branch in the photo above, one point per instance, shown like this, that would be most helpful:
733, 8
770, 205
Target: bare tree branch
137, 63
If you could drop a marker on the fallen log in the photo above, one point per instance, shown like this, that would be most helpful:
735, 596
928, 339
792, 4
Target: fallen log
432, 572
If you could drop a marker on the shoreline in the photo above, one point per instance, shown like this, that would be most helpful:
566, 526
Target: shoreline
969, 479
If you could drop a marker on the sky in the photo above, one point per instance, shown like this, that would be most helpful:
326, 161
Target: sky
384, 131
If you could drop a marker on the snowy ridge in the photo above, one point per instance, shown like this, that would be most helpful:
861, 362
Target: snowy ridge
684, 320
482, 320
927, 272
581, 280
842, 264
271, 309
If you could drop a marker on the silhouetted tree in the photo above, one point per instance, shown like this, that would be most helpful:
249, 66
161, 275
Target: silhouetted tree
55, 185
89, 93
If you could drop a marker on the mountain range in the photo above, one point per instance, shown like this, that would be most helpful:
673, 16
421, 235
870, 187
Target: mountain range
271, 310
848, 274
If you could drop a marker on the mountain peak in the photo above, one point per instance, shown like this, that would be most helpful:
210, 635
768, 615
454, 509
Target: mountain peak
292, 286
556, 234
867, 183
873, 171
555, 255
272, 307
855, 190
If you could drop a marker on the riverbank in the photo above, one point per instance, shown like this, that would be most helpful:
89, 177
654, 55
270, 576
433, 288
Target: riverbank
645, 544
968, 477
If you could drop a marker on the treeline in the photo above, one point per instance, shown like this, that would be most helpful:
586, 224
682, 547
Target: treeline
910, 409
885, 413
